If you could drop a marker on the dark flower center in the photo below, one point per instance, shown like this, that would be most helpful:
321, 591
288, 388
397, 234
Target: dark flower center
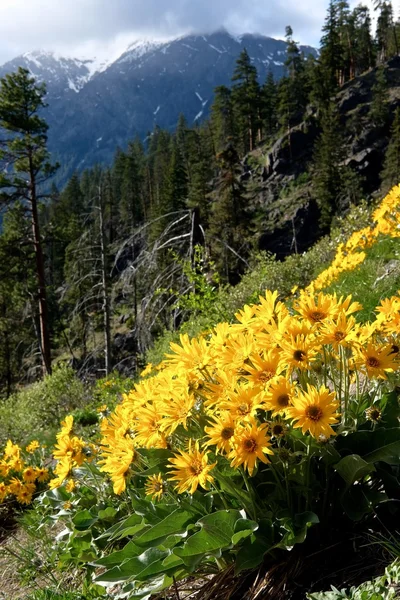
250, 445
339, 336
317, 316
299, 355
314, 412
265, 376
196, 467
373, 362
283, 400
277, 429
227, 433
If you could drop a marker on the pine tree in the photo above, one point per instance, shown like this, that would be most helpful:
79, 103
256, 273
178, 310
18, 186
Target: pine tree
379, 112
331, 57
21, 100
364, 48
269, 105
391, 169
292, 96
386, 34
131, 201
230, 229
328, 156
223, 122
200, 152
246, 97
18, 323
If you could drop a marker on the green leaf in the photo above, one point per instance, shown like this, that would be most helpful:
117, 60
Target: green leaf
297, 528
353, 468
364, 443
84, 520
216, 533
305, 519
107, 514
118, 557
360, 500
147, 590
174, 523
140, 568
389, 453
255, 547
391, 410
128, 526
243, 529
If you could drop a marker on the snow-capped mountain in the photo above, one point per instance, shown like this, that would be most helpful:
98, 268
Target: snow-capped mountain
59, 73
93, 107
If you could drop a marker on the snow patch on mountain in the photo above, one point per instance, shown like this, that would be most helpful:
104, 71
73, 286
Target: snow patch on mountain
140, 48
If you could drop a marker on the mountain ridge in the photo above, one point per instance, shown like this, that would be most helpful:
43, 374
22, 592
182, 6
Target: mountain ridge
93, 110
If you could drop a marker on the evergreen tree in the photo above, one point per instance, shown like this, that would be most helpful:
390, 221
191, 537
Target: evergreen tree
364, 48
21, 99
201, 168
131, 200
269, 105
292, 97
246, 97
328, 156
347, 38
386, 34
331, 55
223, 122
230, 229
177, 180
18, 322
379, 112
391, 169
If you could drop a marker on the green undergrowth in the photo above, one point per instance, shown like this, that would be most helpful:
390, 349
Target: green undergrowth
386, 587
35, 411
213, 305
376, 278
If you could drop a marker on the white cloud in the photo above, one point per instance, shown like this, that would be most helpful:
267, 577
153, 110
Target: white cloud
105, 27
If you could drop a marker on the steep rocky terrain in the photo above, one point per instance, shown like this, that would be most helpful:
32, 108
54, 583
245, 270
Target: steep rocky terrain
279, 177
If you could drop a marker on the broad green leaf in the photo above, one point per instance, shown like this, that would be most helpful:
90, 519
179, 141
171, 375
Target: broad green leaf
125, 527
297, 528
389, 453
216, 533
254, 548
353, 468
366, 442
147, 590
118, 557
173, 524
360, 500
107, 514
139, 568
243, 529
83, 520
391, 410
305, 519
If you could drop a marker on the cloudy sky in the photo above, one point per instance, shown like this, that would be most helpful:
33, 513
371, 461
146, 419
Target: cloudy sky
104, 28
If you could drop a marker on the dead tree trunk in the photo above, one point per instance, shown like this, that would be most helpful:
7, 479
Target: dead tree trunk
104, 287
44, 341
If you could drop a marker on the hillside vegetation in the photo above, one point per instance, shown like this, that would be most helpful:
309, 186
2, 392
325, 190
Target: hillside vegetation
114, 253
178, 478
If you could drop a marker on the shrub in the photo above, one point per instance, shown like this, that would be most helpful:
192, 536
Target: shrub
35, 412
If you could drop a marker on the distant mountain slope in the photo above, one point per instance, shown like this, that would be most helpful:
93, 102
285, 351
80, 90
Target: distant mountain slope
91, 112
